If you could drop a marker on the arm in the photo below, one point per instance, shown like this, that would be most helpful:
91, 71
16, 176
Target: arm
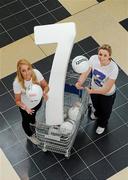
102, 90
45, 88
21, 104
82, 79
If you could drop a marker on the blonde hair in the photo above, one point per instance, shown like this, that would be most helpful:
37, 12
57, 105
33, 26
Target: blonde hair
19, 75
106, 47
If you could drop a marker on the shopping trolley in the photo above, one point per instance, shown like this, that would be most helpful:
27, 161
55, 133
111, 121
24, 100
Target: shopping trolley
51, 137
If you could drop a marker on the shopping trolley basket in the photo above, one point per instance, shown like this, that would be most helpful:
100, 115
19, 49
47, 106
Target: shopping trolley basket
52, 138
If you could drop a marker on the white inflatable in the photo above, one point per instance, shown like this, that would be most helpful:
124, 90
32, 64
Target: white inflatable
77, 104
34, 93
66, 127
73, 113
46, 34
80, 64
65, 112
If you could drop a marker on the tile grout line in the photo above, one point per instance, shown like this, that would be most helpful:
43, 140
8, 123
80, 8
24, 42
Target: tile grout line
122, 85
19, 11
105, 156
117, 150
38, 168
93, 141
26, 8
8, 4
120, 106
106, 159
8, 91
6, 32
50, 11
86, 166
125, 123
61, 166
85, 9
34, 18
122, 94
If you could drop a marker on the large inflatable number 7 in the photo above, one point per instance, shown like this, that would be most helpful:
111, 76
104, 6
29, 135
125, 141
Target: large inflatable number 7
64, 35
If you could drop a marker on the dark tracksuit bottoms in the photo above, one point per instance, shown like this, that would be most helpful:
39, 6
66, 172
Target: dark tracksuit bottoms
103, 106
27, 119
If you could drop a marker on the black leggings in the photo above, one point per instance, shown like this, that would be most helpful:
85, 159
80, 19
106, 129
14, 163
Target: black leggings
103, 106
27, 119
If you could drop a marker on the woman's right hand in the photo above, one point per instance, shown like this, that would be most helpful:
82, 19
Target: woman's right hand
45, 96
78, 85
29, 111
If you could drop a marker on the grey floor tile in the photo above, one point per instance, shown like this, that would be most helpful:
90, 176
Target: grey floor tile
122, 112
29, 146
8, 81
38, 177
90, 154
120, 100
50, 5
61, 13
55, 172
102, 170
124, 23
2, 88
3, 123
122, 79
73, 165
113, 141
18, 130
85, 174
44, 160
88, 44
16, 153
7, 138
26, 169
13, 115
81, 140
119, 159
124, 90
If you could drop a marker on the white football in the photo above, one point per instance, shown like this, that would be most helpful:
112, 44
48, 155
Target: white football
34, 92
66, 127
80, 64
77, 104
73, 112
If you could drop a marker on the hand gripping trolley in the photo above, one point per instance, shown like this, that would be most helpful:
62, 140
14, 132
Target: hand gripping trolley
57, 138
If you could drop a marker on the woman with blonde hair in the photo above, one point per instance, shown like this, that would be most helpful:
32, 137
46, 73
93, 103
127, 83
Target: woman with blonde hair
25, 79
103, 90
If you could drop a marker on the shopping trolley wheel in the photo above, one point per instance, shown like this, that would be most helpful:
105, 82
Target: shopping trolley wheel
44, 149
67, 155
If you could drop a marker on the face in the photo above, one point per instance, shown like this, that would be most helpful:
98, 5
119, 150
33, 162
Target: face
26, 72
104, 57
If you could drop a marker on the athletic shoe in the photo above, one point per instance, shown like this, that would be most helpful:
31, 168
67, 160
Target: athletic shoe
33, 124
100, 130
33, 139
92, 116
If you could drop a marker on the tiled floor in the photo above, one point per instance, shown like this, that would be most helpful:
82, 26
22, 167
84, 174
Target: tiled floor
18, 18
93, 157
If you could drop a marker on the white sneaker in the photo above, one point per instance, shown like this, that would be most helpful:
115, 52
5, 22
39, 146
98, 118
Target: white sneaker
34, 125
100, 130
92, 116
33, 139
